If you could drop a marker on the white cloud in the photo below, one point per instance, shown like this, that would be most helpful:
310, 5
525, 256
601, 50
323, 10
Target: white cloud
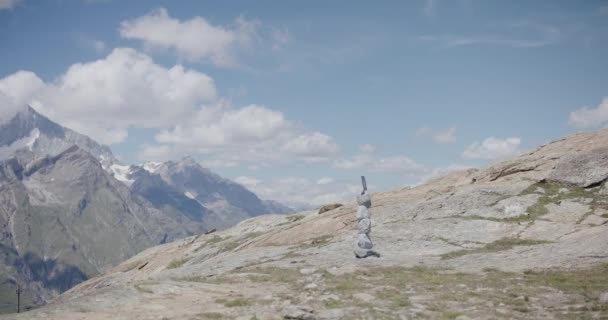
520, 35
247, 182
98, 45
368, 148
300, 192
280, 38
156, 153
492, 148
590, 117
423, 131
312, 147
8, 4
195, 39
15, 93
429, 7
325, 181
439, 136
446, 136
104, 98
395, 164
252, 133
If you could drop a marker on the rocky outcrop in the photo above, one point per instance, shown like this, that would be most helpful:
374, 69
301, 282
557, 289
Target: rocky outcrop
582, 169
329, 207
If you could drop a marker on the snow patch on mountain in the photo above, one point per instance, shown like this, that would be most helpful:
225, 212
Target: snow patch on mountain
122, 173
152, 167
25, 142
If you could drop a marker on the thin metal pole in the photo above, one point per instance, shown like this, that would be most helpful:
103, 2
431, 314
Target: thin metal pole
18, 298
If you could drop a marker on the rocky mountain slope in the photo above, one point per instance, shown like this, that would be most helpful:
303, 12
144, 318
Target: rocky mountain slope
33, 131
522, 239
69, 210
65, 219
185, 185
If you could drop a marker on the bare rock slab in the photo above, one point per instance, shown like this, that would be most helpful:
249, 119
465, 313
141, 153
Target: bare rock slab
583, 170
567, 211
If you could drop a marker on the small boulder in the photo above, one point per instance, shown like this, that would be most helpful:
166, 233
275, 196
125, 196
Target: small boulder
604, 298
329, 207
298, 313
306, 271
364, 297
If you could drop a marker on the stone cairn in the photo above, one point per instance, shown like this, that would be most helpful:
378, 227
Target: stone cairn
364, 242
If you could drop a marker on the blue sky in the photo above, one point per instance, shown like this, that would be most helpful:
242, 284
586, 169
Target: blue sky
297, 100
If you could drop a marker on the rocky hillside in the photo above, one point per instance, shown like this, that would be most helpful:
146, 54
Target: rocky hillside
69, 210
65, 219
523, 239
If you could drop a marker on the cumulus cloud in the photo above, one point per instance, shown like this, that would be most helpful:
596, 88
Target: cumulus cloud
15, 93
312, 147
252, 133
107, 97
590, 117
395, 164
492, 148
368, 148
301, 193
8, 4
325, 181
104, 98
446, 136
247, 182
439, 136
194, 40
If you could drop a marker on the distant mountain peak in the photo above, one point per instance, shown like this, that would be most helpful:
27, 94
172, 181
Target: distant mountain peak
34, 131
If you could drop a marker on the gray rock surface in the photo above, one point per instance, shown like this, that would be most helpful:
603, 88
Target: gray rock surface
329, 207
582, 169
456, 246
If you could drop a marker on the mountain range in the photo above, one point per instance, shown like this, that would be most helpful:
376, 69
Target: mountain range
70, 210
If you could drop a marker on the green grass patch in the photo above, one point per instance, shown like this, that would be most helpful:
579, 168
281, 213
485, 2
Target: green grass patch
210, 315
233, 244
333, 304
316, 242
272, 274
235, 303
521, 294
397, 298
177, 263
294, 218
498, 245
142, 286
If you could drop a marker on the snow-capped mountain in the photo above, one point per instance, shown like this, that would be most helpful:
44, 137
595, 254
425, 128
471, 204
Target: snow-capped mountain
31, 130
70, 210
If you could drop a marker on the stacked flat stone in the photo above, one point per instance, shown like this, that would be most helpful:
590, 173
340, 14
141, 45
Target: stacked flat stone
364, 222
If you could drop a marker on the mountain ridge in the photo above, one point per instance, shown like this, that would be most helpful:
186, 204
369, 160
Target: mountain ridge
68, 209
